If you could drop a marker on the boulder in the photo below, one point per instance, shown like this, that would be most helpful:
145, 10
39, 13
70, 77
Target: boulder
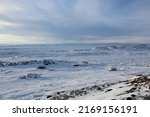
41, 67
113, 69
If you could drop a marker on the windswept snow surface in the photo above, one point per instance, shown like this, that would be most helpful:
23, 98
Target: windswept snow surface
35, 71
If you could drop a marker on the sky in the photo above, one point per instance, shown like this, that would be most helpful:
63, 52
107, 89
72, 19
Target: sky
74, 21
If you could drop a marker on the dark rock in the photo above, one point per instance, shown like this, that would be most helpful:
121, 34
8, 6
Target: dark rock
47, 62
61, 92
84, 92
58, 97
78, 92
113, 69
94, 87
83, 89
141, 79
135, 85
41, 67
51, 70
99, 88
23, 77
127, 83
108, 90
89, 88
131, 90
63, 97
25, 62
72, 93
133, 95
129, 98
30, 76
103, 85
107, 85
72, 96
76, 65
12, 64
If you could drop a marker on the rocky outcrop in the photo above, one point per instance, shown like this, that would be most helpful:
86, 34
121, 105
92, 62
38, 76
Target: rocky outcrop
65, 95
30, 62
30, 76
134, 89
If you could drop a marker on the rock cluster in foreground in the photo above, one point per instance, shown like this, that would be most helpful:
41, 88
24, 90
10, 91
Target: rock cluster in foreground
134, 89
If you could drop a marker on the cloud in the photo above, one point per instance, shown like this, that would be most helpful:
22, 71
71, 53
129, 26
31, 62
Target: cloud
74, 20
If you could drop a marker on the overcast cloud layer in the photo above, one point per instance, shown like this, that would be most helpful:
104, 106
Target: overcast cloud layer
66, 21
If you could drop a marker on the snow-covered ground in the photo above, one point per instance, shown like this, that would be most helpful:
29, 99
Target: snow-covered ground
36, 71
